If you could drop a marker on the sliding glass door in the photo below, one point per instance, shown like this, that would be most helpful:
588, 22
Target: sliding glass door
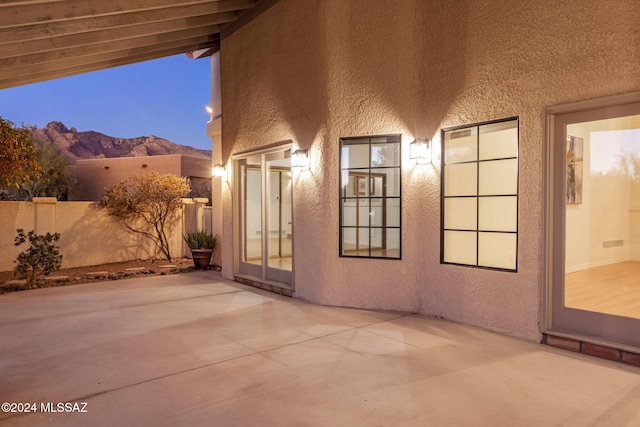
265, 215
596, 223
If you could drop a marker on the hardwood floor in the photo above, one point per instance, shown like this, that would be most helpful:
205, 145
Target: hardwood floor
612, 289
284, 262
351, 250
281, 263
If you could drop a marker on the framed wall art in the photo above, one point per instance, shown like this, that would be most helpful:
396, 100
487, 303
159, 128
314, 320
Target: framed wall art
574, 170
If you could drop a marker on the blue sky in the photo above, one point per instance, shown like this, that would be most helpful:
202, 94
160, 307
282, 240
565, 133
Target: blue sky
164, 97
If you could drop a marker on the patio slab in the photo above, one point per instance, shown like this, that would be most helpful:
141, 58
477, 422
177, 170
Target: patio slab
194, 349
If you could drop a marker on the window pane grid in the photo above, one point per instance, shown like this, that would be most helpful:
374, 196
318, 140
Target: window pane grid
481, 233
370, 199
383, 198
480, 161
479, 196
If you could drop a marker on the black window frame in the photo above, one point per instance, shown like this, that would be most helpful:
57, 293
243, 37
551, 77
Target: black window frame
342, 197
477, 195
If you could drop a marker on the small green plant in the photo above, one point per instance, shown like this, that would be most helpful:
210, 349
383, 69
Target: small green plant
42, 256
201, 240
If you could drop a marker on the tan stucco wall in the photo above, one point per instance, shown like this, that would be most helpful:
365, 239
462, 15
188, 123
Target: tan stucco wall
95, 175
317, 70
87, 235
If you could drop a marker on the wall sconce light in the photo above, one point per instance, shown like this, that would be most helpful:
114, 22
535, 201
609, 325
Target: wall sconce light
144, 165
218, 170
106, 167
420, 149
300, 159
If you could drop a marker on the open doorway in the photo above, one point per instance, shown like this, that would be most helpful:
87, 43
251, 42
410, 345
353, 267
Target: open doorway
595, 223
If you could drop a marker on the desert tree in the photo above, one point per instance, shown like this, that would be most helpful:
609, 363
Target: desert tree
57, 179
18, 157
146, 204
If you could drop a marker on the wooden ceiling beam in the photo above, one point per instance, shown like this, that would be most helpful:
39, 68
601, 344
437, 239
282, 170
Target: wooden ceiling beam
75, 57
120, 33
76, 26
19, 80
202, 34
48, 39
20, 13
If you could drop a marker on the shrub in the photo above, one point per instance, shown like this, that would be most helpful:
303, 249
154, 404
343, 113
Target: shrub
146, 204
201, 240
42, 256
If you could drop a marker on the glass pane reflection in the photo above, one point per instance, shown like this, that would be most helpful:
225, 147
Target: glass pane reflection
602, 216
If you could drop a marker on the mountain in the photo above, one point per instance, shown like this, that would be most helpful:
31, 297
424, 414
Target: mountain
95, 145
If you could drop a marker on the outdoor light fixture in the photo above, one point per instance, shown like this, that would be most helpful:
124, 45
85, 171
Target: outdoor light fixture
209, 109
300, 159
218, 170
420, 149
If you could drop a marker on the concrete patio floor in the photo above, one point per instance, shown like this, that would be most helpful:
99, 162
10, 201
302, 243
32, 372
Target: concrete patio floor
196, 350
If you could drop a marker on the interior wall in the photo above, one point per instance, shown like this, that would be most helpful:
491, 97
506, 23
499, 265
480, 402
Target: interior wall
318, 70
604, 228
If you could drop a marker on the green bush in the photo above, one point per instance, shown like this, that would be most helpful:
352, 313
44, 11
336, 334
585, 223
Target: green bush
201, 240
42, 256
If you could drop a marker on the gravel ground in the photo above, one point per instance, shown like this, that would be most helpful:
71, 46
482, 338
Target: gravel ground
113, 271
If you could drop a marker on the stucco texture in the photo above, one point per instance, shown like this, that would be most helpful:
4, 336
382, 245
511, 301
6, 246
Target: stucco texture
96, 175
318, 70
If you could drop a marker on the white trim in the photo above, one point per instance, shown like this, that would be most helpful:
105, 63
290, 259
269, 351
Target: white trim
573, 326
590, 104
263, 153
276, 148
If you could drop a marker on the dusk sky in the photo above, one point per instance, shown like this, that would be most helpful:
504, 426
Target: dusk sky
164, 97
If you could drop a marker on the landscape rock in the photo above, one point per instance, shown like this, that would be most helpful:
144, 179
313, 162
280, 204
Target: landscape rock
96, 274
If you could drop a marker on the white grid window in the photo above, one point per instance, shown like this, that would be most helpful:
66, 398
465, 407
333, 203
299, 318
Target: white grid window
480, 195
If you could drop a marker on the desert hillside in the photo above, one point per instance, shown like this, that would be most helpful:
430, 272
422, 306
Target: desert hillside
95, 145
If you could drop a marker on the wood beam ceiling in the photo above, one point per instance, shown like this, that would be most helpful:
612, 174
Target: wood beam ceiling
46, 39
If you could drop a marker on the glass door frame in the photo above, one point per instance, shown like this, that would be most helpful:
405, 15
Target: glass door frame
263, 272
599, 328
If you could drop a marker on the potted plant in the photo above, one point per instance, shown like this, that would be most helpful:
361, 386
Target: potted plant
202, 246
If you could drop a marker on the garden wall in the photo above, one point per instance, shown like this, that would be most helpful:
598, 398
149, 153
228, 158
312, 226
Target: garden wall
88, 236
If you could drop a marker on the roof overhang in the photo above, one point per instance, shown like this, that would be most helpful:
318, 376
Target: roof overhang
47, 39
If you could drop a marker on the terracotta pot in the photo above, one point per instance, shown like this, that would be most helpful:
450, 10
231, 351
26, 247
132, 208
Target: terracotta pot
201, 258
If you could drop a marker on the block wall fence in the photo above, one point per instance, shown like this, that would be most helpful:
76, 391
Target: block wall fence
88, 236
